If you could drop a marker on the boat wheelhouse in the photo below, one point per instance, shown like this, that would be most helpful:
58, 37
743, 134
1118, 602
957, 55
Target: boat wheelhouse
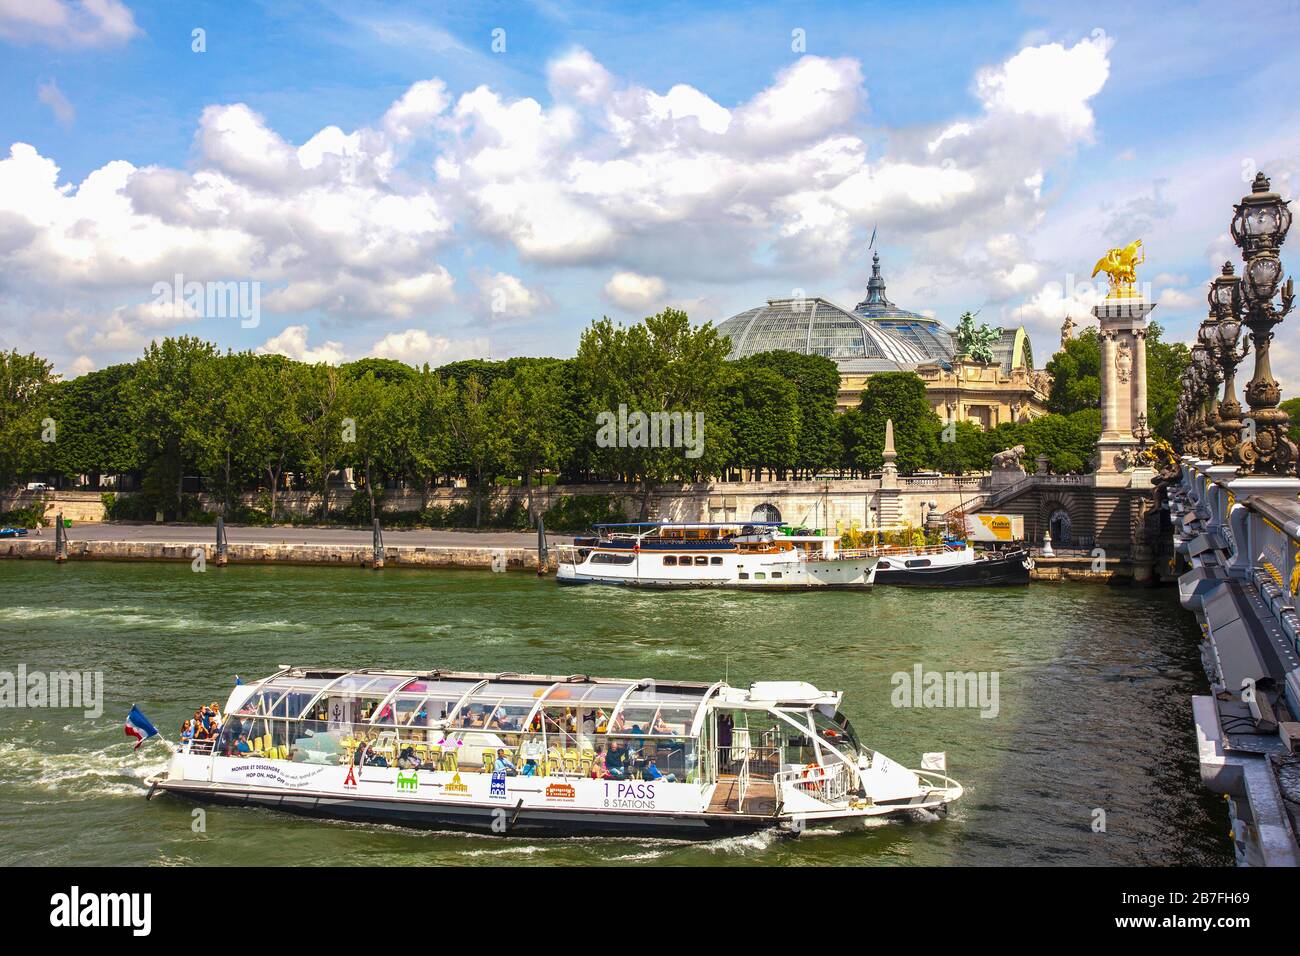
751, 555
521, 753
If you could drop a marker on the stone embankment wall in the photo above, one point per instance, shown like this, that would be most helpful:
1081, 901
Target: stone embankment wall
828, 504
334, 555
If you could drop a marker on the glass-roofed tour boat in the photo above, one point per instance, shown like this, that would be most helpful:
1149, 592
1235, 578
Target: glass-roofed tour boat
530, 754
749, 555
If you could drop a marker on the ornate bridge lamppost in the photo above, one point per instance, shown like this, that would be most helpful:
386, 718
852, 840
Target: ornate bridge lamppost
1259, 227
1229, 349
1205, 386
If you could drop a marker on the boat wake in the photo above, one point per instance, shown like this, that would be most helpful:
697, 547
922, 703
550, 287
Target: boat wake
83, 773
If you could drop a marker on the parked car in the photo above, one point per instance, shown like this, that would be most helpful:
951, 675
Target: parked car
13, 532
37, 486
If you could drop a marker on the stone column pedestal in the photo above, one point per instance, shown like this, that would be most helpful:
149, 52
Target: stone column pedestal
1123, 385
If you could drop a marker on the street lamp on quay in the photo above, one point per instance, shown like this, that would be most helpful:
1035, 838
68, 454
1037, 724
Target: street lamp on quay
1259, 227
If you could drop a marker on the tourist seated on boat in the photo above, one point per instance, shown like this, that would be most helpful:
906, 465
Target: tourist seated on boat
616, 759
408, 759
187, 731
598, 771
652, 772
529, 769
503, 764
243, 746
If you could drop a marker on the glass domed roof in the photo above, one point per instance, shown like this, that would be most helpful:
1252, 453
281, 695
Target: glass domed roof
817, 327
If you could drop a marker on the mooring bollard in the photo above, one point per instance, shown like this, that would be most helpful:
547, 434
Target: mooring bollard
60, 539
377, 549
541, 548
221, 542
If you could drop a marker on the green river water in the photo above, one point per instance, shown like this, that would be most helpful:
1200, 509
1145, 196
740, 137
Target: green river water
1094, 706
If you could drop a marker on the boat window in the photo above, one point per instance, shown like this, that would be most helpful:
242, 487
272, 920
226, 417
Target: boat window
606, 557
776, 574
760, 575
883, 564
744, 575
835, 733
919, 563
670, 560
701, 559
715, 560
685, 559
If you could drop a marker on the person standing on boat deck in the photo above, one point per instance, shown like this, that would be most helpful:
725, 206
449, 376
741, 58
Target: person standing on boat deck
725, 725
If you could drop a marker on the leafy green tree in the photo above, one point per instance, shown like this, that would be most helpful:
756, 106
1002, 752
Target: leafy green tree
321, 409
817, 380
163, 380
373, 409
1165, 364
26, 400
532, 432
899, 396
424, 449
1292, 407
963, 447
274, 437
764, 415
94, 436
477, 440
660, 365
1076, 375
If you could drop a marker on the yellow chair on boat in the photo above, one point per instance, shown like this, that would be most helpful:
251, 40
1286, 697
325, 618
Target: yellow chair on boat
449, 762
489, 760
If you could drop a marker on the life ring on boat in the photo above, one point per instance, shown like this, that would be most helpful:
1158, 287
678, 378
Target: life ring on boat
808, 771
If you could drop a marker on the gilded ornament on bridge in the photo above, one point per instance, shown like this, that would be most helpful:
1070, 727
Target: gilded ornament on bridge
1120, 266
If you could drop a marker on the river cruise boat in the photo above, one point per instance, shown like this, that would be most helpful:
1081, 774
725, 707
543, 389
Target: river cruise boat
953, 565
521, 754
750, 555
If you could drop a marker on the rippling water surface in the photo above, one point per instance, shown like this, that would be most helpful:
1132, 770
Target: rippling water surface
1094, 706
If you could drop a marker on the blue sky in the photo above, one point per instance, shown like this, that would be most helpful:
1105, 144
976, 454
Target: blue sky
613, 159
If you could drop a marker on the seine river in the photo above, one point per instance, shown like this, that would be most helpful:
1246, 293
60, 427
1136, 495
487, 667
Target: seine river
1093, 710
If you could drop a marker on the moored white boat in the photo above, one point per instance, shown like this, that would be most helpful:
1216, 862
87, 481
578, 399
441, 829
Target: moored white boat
742, 555
521, 754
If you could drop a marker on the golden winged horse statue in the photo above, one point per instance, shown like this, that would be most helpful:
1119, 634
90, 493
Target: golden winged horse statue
1121, 266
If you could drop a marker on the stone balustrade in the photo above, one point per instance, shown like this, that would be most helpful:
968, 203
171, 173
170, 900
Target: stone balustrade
1238, 539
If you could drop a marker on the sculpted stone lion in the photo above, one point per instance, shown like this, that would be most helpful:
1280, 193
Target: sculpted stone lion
1008, 460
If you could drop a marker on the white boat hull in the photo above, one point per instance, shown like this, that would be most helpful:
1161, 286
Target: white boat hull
756, 572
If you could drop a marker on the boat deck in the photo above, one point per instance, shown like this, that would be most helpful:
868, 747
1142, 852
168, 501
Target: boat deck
760, 796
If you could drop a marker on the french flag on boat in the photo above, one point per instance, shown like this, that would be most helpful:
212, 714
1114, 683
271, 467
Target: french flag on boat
138, 726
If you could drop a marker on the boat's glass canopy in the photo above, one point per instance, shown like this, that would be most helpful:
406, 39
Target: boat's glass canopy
390, 697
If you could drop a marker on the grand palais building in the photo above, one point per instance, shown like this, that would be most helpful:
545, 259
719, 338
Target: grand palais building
878, 336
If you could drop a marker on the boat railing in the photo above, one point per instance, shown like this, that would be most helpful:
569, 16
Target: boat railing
201, 748
830, 784
886, 550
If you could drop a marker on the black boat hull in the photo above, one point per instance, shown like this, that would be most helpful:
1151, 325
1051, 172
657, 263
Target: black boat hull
1008, 569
